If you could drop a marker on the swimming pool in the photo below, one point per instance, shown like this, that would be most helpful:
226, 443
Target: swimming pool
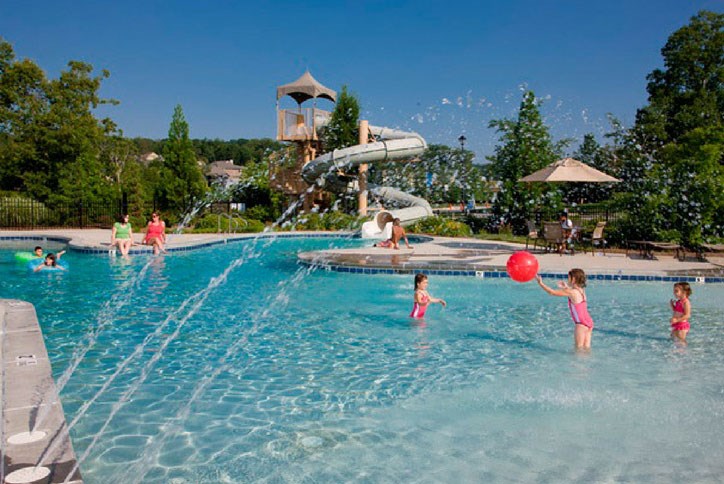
283, 374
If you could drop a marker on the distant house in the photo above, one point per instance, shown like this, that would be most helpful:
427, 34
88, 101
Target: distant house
147, 158
223, 169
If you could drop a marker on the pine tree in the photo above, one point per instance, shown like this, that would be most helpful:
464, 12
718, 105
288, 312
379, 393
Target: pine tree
526, 147
182, 181
343, 128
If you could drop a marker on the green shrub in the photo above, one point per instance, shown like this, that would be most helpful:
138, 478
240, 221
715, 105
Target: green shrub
324, 221
440, 226
259, 212
213, 223
23, 212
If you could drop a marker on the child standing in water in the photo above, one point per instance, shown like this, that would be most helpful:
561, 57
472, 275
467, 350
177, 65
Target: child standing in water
575, 291
682, 311
422, 297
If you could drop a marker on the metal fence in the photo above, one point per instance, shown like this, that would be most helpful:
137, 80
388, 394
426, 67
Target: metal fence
24, 214
584, 215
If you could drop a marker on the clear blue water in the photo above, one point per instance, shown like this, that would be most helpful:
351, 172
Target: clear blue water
282, 374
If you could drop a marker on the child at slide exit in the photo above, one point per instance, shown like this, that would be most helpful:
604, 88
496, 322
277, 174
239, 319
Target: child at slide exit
422, 298
575, 291
682, 311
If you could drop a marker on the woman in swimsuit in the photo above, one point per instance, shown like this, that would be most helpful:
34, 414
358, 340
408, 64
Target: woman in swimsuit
156, 234
122, 235
682, 311
422, 297
575, 291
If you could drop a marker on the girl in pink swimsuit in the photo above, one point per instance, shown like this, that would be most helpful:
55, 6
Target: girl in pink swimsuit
422, 297
575, 291
682, 311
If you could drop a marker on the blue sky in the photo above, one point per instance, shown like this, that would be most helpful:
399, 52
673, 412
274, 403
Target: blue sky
439, 68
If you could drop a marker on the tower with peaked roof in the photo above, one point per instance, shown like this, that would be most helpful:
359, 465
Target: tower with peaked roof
300, 126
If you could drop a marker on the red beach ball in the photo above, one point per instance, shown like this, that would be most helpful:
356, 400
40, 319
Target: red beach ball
522, 266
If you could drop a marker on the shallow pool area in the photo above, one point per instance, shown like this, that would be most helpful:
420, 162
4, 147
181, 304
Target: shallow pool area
237, 364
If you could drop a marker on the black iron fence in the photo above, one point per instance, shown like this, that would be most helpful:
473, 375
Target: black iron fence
584, 215
25, 214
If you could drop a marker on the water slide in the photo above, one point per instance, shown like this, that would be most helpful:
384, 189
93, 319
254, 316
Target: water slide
391, 145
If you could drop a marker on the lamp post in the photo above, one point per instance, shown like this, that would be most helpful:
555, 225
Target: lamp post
462, 139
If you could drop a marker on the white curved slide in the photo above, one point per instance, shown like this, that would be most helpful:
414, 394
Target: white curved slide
392, 145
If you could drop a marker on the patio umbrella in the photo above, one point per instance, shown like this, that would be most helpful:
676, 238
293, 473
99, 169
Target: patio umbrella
569, 170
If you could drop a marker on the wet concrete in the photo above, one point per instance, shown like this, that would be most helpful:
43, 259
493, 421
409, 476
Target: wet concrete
30, 403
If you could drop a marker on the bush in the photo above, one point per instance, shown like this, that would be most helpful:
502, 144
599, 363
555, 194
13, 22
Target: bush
213, 223
441, 226
21, 212
259, 212
324, 221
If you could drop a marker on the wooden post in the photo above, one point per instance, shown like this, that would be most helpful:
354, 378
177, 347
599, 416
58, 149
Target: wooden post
362, 197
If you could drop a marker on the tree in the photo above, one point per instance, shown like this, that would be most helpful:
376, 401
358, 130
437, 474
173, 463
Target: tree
70, 144
689, 92
343, 128
182, 181
526, 147
442, 175
674, 160
23, 101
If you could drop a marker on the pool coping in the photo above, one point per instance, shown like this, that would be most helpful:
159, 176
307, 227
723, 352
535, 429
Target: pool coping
30, 401
428, 255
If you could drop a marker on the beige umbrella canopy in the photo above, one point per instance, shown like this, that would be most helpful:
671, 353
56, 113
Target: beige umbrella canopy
569, 170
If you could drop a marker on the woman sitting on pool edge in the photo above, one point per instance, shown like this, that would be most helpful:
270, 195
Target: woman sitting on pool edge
122, 235
156, 234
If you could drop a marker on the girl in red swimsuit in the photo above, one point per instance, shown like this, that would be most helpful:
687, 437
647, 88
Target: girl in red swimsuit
682, 311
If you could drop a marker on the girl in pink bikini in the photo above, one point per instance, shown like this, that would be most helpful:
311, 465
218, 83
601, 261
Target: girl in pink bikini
682, 311
575, 291
422, 297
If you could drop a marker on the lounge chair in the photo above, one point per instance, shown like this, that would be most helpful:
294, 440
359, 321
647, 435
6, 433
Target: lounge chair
647, 247
717, 251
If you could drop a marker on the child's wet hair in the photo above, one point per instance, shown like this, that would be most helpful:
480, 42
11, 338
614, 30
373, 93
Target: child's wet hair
51, 257
578, 276
419, 277
684, 287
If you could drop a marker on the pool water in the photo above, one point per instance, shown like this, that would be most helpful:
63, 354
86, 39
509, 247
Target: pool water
179, 372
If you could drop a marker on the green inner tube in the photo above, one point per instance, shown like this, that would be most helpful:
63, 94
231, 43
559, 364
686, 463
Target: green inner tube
25, 256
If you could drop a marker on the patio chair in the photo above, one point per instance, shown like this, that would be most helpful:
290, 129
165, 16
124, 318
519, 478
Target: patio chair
533, 235
553, 236
597, 239
716, 251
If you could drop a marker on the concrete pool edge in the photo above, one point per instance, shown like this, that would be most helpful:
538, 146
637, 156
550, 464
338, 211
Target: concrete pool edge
436, 255
486, 259
95, 241
30, 402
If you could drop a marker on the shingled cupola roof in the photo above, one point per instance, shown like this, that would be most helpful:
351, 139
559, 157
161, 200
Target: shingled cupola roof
306, 87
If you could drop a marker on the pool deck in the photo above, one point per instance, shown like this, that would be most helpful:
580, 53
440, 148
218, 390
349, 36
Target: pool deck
440, 255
